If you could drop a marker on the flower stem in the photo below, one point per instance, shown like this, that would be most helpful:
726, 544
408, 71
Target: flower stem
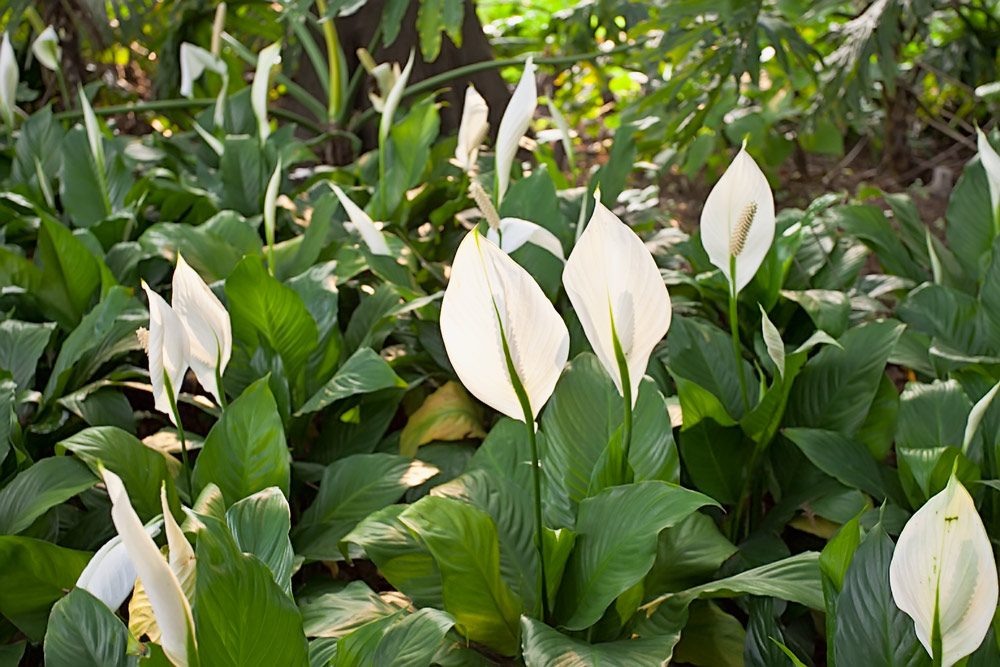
734, 329
333, 59
626, 383
180, 432
223, 403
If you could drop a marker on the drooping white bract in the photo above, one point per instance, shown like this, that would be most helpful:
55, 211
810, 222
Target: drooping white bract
9, 76
194, 61
516, 119
943, 564
169, 351
207, 323
110, 575
261, 86
393, 99
991, 163
472, 129
738, 220
46, 49
170, 606
490, 299
370, 234
614, 285
513, 233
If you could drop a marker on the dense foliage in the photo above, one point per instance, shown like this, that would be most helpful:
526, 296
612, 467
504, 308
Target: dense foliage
346, 476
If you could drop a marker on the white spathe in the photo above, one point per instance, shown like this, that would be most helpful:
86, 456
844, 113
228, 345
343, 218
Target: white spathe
515, 232
516, 119
110, 575
168, 348
944, 557
261, 86
194, 61
742, 192
991, 163
9, 76
47, 50
489, 298
370, 234
393, 99
182, 560
207, 323
612, 280
170, 606
472, 129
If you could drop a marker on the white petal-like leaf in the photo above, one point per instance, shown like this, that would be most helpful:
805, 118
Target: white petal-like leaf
218, 25
515, 232
739, 212
772, 339
182, 560
944, 557
170, 606
93, 130
472, 129
207, 323
516, 119
194, 61
110, 575
168, 348
370, 234
266, 59
490, 295
46, 49
610, 273
9, 76
392, 100
991, 163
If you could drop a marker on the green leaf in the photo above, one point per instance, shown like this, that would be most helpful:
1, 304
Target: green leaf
711, 637
841, 457
392, 20
242, 617
871, 630
83, 632
47, 483
870, 224
932, 415
435, 16
400, 557
835, 388
21, 345
34, 575
583, 414
687, 554
245, 452
142, 469
409, 146
342, 612
262, 309
39, 140
70, 273
244, 175
9, 425
827, 309
969, 220
544, 646
260, 525
772, 340
212, 256
448, 414
413, 640
364, 372
616, 545
703, 354
81, 185
716, 459
463, 541
351, 489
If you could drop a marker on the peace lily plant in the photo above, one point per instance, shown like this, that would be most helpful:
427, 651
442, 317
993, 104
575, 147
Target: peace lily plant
471, 130
622, 302
9, 76
515, 122
506, 342
737, 228
943, 575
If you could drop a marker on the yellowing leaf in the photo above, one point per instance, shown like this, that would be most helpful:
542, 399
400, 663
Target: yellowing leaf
140, 615
447, 414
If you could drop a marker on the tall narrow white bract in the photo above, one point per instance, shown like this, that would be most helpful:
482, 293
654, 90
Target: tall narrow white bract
218, 25
991, 163
47, 50
738, 220
194, 61
168, 348
393, 99
207, 323
9, 76
472, 129
512, 233
491, 298
110, 575
612, 280
182, 560
261, 86
170, 606
516, 119
370, 234
944, 562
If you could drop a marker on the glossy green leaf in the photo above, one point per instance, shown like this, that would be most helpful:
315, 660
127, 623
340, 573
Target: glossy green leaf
435, 17
841, 457
414, 640
827, 309
716, 459
969, 220
544, 646
83, 632
245, 452
45, 484
70, 273
711, 637
21, 345
340, 613
687, 554
260, 525
364, 372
